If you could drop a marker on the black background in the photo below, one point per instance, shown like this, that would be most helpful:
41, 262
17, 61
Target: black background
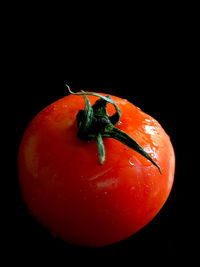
148, 62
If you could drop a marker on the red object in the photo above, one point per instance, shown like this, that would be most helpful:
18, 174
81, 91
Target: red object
76, 198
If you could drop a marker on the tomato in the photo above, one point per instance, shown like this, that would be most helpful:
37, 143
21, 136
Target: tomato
76, 198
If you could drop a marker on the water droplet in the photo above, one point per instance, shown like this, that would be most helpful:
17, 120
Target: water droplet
131, 163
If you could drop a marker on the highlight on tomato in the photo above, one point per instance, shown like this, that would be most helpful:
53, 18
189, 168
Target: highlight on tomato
94, 169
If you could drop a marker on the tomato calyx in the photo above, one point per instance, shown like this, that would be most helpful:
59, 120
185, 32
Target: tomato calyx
94, 123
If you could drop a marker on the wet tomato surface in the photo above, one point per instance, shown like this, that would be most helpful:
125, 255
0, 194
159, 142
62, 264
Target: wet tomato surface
84, 202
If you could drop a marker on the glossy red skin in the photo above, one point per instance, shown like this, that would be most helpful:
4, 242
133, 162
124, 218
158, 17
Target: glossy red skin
76, 198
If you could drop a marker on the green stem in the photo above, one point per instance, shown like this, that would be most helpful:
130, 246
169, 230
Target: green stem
101, 149
130, 142
95, 123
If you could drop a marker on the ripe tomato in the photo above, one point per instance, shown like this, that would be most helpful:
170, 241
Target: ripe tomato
84, 202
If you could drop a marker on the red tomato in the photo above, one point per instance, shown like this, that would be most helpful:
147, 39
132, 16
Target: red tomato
76, 198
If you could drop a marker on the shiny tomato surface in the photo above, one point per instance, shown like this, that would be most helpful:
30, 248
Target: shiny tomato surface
76, 198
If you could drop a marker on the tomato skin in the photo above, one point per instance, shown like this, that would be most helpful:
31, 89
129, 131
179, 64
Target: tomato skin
76, 198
